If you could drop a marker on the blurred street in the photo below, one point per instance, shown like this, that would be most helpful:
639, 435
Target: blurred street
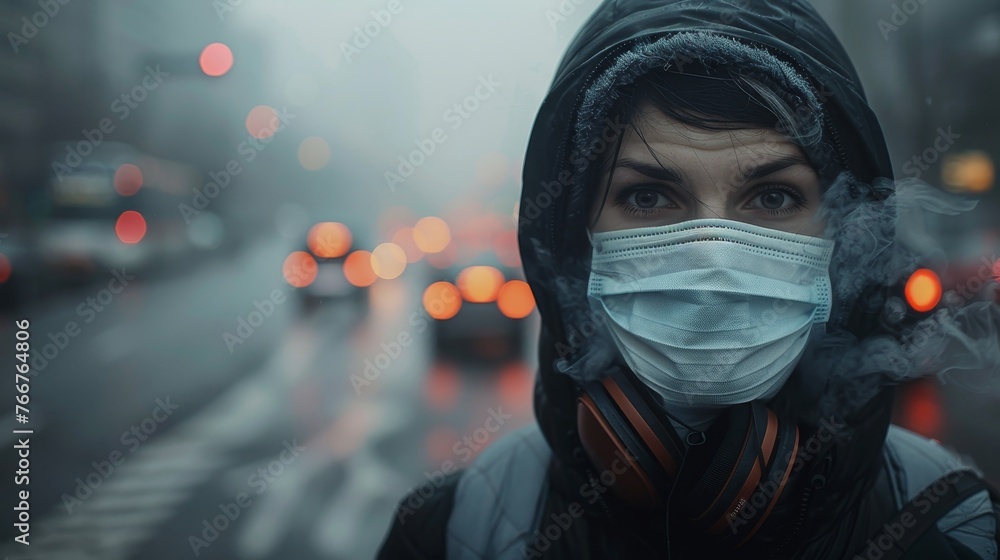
287, 388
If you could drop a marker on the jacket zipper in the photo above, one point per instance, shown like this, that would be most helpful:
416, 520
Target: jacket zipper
804, 507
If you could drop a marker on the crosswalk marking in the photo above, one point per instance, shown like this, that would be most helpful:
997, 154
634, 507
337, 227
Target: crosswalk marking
141, 493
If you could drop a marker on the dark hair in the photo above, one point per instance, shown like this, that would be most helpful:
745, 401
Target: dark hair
714, 99
720, 100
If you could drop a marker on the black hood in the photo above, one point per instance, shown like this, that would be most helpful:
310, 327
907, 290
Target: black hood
553, 218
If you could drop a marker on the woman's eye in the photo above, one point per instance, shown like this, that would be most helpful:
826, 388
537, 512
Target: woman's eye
646, 198
774, 200
777, 200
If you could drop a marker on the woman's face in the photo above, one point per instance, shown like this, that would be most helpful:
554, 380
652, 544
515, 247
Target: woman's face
669, 172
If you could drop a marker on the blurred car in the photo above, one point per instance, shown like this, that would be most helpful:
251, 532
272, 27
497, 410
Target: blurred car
479, 312
108, 213
20, 278
77, 239
323, 269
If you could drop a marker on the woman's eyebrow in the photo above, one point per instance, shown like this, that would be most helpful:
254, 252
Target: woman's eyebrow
773, 166
655, 171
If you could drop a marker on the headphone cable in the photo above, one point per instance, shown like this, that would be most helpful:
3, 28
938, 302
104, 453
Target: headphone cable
699, 435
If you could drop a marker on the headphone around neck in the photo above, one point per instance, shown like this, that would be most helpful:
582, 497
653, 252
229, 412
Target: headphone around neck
725, 485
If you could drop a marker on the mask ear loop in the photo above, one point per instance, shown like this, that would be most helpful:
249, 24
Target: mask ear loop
590, 237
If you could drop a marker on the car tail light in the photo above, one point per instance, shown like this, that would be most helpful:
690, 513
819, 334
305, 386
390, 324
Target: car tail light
329, 240
515, 299
923, 290
480, 284
442, 300
358, 269
299, 269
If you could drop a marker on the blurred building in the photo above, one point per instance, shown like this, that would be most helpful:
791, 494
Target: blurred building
23, 112
930, 69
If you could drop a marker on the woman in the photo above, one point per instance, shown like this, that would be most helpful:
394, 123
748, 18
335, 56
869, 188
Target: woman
707, 223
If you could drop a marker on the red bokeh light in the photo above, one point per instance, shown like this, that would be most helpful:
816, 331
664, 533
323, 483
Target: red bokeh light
5, 268
358, 269
299, 269
443, 388
262, 122
923, 290
922, 410
128, 179
130, 227
216, 59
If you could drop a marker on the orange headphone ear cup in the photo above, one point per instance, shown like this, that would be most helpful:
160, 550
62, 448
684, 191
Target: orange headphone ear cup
644, 417
618, 429
616, 457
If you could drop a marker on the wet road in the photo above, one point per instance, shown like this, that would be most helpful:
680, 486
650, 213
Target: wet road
156, 436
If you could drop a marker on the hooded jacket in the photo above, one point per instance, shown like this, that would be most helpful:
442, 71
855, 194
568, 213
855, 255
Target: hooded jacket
867, 477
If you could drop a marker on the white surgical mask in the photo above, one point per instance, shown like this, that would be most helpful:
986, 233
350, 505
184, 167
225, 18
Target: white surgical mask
711, 312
